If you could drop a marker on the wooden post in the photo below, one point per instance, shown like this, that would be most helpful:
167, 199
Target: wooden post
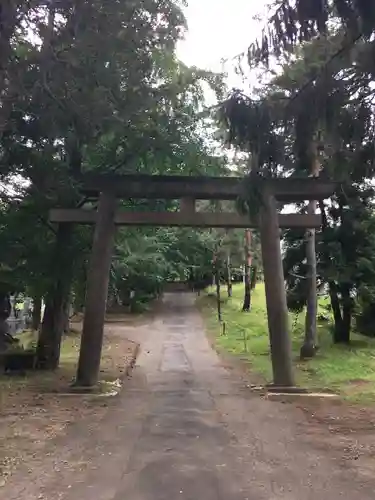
277, 311
218, 296
229, 275
247, 296
96, 292
187, 205
216, 274
308, 348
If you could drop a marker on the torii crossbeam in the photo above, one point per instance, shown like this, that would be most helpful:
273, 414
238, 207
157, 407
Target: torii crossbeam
180, 219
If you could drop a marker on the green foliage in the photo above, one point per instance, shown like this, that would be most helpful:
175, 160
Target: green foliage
319, 106
146, 259
104, 95
296, 21
347, 370
251, 125
342, 128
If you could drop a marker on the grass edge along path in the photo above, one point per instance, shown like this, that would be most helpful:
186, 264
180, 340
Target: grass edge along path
346, 370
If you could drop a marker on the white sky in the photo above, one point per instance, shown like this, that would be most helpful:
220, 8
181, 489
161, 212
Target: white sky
220, 29
217, 30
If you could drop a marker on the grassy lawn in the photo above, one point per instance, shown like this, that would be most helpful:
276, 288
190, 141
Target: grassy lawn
349, 370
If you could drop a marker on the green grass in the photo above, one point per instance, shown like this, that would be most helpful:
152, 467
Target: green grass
348, 370
69, 346
40, 381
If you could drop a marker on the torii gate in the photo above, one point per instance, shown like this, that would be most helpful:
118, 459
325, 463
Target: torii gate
109, 187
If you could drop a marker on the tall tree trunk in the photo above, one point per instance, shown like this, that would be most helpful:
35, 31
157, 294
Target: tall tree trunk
37, 313
332, 287
96, 293
343, 336
53, 324
66, 315
336, 309
216, 275
342, 319
277, 311
254, 277
5, 310
346, 323
218, 295
308, 348
80, 290
229, 276
247, 296
77, 304
50, 336
8, 21
346, 300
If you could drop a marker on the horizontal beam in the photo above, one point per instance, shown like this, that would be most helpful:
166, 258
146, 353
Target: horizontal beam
182, 219
202, 188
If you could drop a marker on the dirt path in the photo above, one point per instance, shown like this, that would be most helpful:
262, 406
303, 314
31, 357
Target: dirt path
186, 428
36, 409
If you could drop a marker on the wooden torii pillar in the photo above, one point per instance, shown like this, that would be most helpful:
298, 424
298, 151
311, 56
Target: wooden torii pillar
96, 292
277, 310
188, 189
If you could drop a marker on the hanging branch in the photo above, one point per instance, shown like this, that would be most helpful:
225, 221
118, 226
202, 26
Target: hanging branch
298, 21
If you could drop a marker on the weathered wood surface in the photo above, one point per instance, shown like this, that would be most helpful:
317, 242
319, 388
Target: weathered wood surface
201, 187
183, 219
96, 293
277, 310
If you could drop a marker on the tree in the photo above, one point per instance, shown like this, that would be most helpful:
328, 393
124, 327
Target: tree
345, 132
320, 97
296, 22
247, 254
85, 100
229, 274
252, 127
78, 64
